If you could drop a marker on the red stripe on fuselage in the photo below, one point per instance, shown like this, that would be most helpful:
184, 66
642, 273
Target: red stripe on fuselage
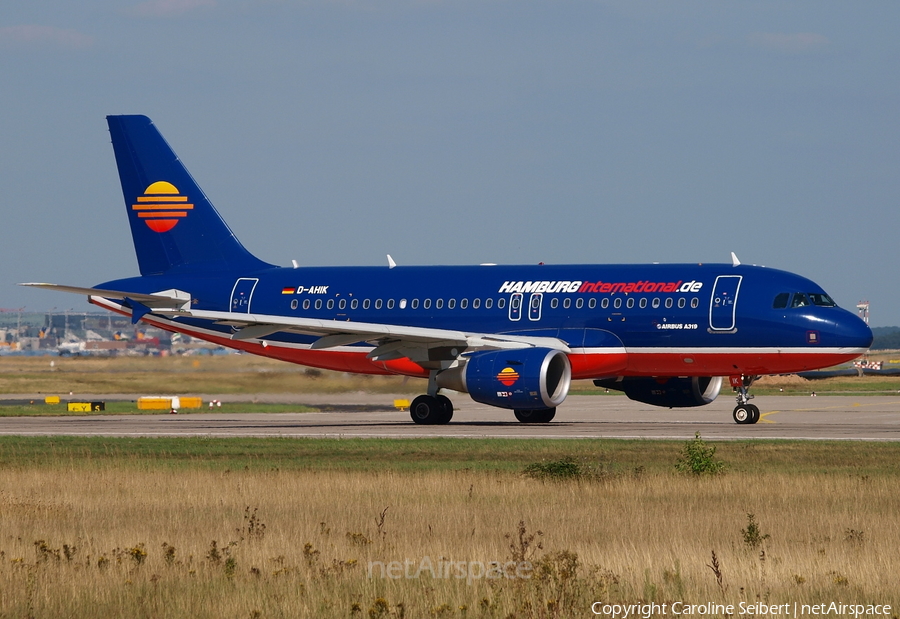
584, 366
746, 361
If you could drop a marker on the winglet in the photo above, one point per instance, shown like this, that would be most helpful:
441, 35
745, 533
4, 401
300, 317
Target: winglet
734, 260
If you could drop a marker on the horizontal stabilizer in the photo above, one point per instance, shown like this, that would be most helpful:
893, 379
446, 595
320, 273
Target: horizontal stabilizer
171, 300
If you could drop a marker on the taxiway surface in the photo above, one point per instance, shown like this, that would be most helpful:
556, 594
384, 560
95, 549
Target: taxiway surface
783, 417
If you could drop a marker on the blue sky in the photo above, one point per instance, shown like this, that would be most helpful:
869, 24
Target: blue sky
464, 132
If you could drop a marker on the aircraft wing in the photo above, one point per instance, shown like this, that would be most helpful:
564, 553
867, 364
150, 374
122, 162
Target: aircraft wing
391, 341
419, 344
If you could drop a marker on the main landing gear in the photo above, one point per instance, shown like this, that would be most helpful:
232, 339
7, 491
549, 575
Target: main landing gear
744, 413
431, 410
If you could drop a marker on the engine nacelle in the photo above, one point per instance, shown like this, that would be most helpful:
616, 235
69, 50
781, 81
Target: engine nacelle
527, 379
667, 391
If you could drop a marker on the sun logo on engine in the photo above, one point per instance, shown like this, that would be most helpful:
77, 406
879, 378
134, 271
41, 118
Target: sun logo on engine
508, 376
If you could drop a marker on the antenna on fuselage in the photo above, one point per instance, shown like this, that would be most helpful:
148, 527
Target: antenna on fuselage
391, 263
734, 260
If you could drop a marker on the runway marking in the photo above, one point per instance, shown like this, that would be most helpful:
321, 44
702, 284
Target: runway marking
824, 408
762, 418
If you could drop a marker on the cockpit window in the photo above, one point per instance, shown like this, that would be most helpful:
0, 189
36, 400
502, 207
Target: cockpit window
781, 300
821, 299
800, 300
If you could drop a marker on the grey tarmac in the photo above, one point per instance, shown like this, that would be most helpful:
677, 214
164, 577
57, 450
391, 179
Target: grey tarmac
862, 417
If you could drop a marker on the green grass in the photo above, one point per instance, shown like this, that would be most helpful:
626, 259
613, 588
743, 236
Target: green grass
842, 458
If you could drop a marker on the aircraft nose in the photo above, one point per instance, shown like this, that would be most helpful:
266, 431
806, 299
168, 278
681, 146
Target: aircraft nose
852, 332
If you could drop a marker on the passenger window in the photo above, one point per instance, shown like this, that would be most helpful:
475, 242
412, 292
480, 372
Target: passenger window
655, 303
579, 303
330, 303
318, 303
695, 302
592, 303
629, 303
305, 303
643, 302
781, 300
476, 303
463, 303
567, 303
604, 303
354, 303
681, 303
439, 304
800, 300
390, 304
427, 304
554, 303
294, 304
342, 304
366, 304
451, 303
668, 303
617, 303
415, 304
377, 303
402, 304
488, 303
501, 303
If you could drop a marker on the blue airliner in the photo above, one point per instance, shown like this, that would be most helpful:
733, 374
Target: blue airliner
510, 336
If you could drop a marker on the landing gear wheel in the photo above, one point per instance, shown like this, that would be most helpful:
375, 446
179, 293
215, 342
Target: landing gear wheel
754, 412
536, 415
743, 413
427, 410
446, 409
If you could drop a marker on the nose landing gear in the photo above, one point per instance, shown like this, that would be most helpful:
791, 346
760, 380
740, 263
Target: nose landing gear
744, 413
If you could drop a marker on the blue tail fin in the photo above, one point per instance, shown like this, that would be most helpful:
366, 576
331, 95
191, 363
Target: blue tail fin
174, 225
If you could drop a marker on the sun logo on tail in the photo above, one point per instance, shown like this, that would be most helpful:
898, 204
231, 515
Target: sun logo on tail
161, 207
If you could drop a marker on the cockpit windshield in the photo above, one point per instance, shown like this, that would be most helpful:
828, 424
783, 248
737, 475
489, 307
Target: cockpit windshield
821, 299
802, 299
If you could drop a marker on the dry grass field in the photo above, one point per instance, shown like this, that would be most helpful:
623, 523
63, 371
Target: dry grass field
232, 374
137, 529
254, 528
223, 374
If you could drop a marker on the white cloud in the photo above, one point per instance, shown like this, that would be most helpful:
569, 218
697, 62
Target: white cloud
798, 42
44, 36
169, 8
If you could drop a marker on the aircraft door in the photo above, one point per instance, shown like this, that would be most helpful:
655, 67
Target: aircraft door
534, 306
515, 306
242, 293
723, 304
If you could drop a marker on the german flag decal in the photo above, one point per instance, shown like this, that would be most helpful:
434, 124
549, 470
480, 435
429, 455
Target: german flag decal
508, 376
287, 291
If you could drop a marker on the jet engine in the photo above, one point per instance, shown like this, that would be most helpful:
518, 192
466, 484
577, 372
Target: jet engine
522, 379
667, 391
